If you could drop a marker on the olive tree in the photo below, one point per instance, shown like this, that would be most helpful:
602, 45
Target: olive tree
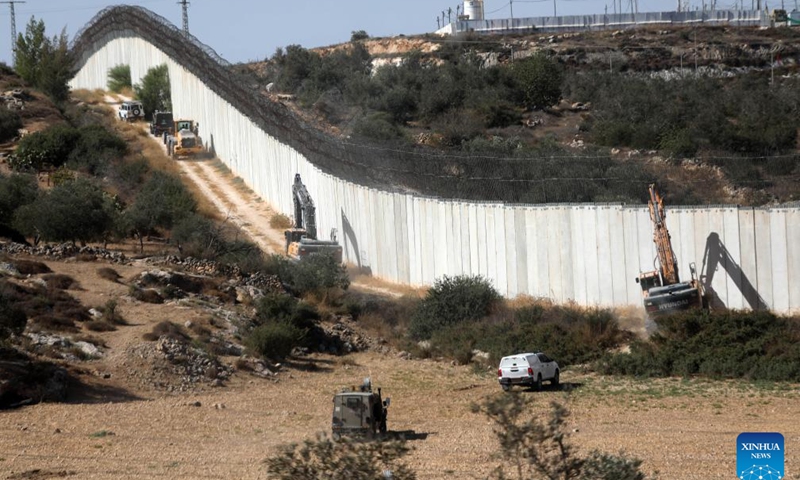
77, 210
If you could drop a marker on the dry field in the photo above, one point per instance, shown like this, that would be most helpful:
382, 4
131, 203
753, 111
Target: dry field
117, 427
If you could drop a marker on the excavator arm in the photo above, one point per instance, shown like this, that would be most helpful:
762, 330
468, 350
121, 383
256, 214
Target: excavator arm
304, 210
666, 256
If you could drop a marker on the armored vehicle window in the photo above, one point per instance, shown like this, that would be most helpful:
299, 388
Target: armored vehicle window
353, 403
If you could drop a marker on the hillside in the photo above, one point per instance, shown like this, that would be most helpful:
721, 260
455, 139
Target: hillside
135, 364
697, 149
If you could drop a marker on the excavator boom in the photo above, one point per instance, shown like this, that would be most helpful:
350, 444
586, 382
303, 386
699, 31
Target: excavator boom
666, 257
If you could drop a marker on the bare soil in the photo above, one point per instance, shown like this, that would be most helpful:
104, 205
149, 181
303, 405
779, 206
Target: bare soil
117, 425
121, 427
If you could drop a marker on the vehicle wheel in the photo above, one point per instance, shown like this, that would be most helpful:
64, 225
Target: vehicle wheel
555, 380
135, 112
506, 387
538, 385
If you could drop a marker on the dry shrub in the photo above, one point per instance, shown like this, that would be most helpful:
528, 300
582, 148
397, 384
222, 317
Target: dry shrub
77, 312
90, 339
109, 274
243, 365
86, 257
147, 295
30, 267
168, 329
110, 313
53, 323
60, 281
100, 326
377, 326
280, 221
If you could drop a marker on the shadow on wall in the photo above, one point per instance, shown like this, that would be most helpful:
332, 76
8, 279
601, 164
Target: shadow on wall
715, 255
350, 236
210, 148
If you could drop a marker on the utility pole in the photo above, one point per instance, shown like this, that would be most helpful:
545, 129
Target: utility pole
511, 4
554, 9
13, 29
185, 5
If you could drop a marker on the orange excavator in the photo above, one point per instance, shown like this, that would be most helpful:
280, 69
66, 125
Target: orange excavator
662, 290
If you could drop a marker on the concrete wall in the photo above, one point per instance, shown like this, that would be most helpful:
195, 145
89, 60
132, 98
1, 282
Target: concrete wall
590, 254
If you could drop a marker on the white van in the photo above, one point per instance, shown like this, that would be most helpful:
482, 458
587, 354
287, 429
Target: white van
529, 369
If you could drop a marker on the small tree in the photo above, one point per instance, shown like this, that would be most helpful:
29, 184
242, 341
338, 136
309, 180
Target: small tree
538, 79
48, 148
119, 78
162, 202
533, 449
358, 35
95, 148
44, 62
73, 211
343, 459
15, 191
10, 123
154, 90
453, 300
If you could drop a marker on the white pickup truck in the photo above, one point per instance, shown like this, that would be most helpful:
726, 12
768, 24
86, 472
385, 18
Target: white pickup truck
529, 369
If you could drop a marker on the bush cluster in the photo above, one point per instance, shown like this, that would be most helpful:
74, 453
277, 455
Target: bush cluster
730, 344
571, 335
281, 323
89, 148
452, 301
681, 116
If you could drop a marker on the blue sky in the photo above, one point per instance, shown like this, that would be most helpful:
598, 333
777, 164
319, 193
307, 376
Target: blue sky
242, 30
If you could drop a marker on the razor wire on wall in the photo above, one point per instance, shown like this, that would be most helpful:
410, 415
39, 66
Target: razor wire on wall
376, 198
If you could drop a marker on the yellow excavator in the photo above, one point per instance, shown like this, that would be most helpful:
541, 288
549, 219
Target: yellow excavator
301, 240
662, 290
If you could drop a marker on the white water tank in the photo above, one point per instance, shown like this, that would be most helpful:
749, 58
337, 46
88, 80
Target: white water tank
473, 9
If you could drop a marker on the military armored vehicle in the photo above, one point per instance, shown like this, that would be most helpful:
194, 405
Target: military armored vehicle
359, 411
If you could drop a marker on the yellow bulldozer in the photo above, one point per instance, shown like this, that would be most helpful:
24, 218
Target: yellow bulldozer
185, 141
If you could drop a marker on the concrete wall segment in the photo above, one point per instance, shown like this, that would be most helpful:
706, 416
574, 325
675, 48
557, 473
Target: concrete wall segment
589, 253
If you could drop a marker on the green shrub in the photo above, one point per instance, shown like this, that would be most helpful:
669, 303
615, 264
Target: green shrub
50, 147
358, 35
95, 148
119, 78
15, 191
451, 301
318, 273
10, 123
275, 339
280, 307
756, 345
377, 126
539, 79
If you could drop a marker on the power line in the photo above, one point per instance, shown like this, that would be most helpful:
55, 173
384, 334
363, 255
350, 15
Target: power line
13, 28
